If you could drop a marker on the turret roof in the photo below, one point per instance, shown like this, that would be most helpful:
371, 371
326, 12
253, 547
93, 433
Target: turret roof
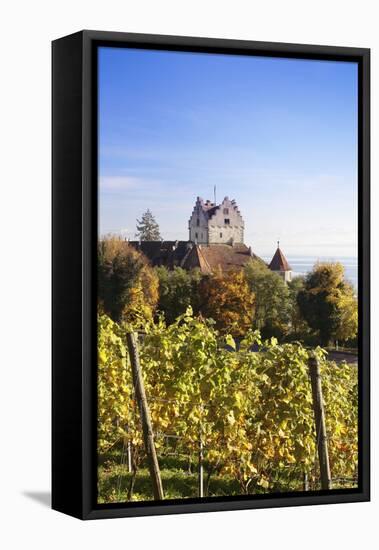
279, 262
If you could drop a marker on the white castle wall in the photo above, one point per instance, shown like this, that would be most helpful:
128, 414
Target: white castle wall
226, 225
287, 276
198, 224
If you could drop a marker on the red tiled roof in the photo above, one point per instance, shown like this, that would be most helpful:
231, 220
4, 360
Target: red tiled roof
211, 257
279, 262
195, 259
188, 255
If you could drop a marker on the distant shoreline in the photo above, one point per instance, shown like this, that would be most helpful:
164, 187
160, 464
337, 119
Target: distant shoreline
301, 265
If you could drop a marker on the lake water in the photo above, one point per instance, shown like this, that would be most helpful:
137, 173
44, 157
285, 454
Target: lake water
303, 264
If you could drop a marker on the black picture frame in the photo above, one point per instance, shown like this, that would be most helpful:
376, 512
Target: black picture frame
74, 206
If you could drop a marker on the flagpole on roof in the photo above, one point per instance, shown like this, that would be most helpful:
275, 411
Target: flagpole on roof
214, 192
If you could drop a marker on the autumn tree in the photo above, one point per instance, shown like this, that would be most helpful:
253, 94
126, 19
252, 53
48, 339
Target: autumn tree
128, 286
328, 303
228, 300
272, 303
148, 228
178, 289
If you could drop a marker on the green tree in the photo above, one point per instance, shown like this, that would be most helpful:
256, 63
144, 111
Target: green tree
299, 328
178, 289
128, 286
272, 302
328, 303
148, 228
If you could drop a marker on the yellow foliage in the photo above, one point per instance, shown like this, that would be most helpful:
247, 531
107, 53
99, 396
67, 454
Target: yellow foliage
128, 286
228, 300
253, 411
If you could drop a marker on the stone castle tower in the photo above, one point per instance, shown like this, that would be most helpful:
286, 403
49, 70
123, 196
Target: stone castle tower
216, 241
216, 224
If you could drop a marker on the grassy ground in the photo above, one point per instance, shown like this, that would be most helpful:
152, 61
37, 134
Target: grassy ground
177, 479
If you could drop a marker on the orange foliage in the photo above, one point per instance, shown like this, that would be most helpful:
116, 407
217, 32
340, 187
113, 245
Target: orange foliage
228, 300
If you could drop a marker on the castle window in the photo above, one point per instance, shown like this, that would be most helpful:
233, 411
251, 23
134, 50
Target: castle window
226, 211
197, 222
227, 221
220, 235
196, 235
201, 235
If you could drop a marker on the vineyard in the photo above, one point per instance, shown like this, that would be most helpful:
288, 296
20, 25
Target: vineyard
228, 417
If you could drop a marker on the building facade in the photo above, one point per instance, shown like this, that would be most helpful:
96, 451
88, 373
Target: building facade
280, 265
216, 235
216, 224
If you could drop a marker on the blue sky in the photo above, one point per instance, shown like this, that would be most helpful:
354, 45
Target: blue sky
277, 135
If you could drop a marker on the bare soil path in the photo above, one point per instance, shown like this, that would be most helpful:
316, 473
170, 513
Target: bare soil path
339, 356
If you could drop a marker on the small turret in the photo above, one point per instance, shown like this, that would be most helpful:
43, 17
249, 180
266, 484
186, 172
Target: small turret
280, 265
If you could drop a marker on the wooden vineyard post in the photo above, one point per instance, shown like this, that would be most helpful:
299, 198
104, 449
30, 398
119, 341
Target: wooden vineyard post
147, 430
201, 458
201, 468
305, 482
129, 457
319, 414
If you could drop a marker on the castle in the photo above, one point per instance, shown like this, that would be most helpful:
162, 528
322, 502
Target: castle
216, 240
216, 224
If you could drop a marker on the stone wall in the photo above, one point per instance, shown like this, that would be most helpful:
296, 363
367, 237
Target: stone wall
216, 225
286, 275
198, 224
226, 225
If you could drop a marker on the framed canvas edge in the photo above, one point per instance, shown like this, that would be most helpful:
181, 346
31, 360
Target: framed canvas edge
90, 39
67, 318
